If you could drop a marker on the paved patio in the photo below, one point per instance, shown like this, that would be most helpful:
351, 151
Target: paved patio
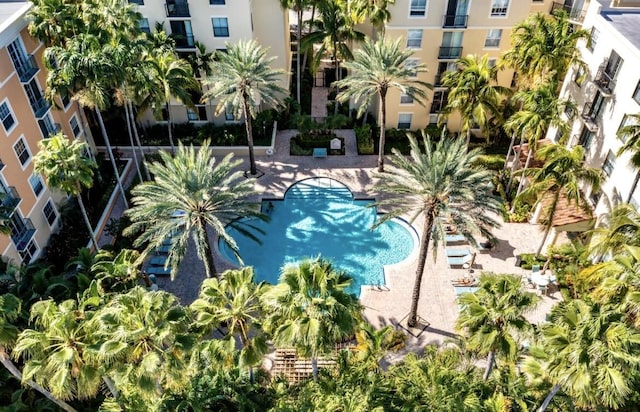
386, 307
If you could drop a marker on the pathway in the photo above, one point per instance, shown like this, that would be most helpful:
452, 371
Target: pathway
319, 102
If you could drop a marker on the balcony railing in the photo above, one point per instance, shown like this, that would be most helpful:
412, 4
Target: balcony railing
10, 199
576, 15
184, 41
21, 240
27, 69
590, 116
604, 80
177, 9
450, 52
40, 107
455, 21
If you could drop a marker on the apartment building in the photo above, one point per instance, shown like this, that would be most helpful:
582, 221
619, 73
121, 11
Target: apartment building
441, 31
27, 119
213, 23
605, 94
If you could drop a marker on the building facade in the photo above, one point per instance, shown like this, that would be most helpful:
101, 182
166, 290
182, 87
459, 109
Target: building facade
441, 31
26, 119
605, 93
214, 23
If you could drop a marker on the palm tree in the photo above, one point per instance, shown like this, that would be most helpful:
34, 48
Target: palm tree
189, 194
379, 15
562, 175
64, 165
630, 134
474, 92
442, 184
589, 352
543, 48
310, 309
55, 21
170, 77
377, 68
622, 229
493, 316
243, 79
234, 301
298, 6
117, 273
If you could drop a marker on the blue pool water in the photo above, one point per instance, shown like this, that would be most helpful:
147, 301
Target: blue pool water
319, 217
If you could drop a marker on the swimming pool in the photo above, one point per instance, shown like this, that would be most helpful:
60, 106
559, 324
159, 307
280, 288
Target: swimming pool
319, 216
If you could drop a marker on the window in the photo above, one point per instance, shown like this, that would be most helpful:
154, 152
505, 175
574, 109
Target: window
30, 252
220, 27
75, 127
35, 181
414, 38
609, 163
569, 110
586, 137
499, 8
192, 115
65, 100
636, 94
492, 62
404, 120
216, 2
595, 197
22, 152
418, 8
580, 76
50, 212
406, 99
228, 114
138, 2
144, 25
593, 39
626, 121
8, 121
439, 100
493, 38
47, 127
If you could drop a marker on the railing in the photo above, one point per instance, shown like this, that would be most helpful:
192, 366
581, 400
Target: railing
177, 9
590, 116
455, 21
27, 69
21, 240
450, 52
10, 199
40, 107
576, 15
604, 80
184, 40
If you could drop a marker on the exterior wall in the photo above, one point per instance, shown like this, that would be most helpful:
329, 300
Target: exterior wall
473, 42
26, 127
618, 185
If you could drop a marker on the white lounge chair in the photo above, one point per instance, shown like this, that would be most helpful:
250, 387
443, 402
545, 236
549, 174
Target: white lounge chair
457, 252
455, 238
461, 260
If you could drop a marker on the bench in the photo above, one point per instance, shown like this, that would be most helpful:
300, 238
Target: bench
320, 152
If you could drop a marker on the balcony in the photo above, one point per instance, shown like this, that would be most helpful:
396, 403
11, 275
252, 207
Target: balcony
40, 107
27, 69
450, 52
184, 41
576, 16
455, 21
21, 239
9, 199
604, 80
180, 9
590, 116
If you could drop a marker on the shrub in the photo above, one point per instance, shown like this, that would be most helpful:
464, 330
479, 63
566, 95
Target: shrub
303, 144
527, 260
491, 162
521, 213
364, 139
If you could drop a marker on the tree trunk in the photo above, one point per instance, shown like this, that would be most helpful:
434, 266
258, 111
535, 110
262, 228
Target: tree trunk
549, 397
173, 149
137, 136
522, 179
113, 160
422, 259
513, 165
87, 222
85, 127
111, 386
633, 187
549, 224
13, 370
209, 266
313, 16
506, 159
314, 368
337, 105
133, 146
299, 39
383, 123
468, 137
249, 129
491, 361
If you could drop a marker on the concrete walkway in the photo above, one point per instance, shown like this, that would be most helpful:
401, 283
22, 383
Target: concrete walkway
319, 102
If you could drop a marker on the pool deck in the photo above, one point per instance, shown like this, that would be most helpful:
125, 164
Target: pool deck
388, 305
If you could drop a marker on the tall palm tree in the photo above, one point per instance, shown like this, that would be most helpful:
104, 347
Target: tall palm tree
622, 229
243, 79
443, 185
170, 77
493, 316
543, 48
379, 15
310, 309
119, 272
588, 352
473, 92
298, 6
234, 301
377, 68
630, 133
562, 175
190, 194
55, 21
64, 165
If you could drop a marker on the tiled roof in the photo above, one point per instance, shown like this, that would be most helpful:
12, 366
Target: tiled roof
525, 152
566, 213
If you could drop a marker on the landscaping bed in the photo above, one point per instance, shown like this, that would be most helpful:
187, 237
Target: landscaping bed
303, 144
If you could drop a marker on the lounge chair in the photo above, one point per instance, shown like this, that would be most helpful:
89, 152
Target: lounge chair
158, 271
460, 260
457, 252
158, 260
455, 238
164, 249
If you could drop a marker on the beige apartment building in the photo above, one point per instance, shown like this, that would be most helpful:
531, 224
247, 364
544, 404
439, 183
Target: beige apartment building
27, 119
214, 23
441, 31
